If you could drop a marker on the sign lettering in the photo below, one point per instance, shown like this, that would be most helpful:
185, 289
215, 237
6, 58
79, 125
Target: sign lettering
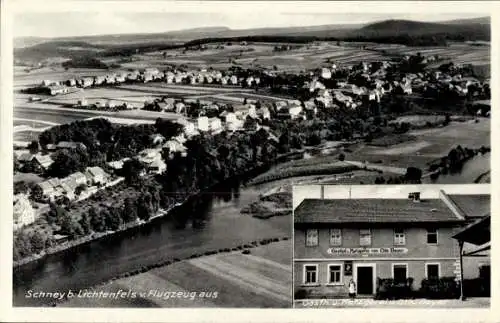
366, 251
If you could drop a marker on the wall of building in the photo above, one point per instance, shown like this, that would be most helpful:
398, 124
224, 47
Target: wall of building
416, 243
383, 269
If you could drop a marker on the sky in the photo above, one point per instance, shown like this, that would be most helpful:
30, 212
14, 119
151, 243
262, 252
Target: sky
63, 23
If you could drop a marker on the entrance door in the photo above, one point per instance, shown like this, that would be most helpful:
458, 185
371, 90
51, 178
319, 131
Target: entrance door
364, 280
485, 278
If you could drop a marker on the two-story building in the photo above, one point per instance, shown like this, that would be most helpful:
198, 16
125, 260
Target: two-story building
336, 240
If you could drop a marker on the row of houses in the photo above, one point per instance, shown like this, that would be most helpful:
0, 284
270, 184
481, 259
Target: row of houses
149, 75
55, 188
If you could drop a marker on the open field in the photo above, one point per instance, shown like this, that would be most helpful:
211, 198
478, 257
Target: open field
307, 56
307, 167
430, 144
259, 279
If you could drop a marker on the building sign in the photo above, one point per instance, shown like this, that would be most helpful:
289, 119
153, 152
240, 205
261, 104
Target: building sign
348, 268
366, 251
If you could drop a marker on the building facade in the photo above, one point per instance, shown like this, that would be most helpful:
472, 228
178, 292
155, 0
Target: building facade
339, 240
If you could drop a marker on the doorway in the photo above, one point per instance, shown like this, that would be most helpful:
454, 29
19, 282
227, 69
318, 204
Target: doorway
365, 279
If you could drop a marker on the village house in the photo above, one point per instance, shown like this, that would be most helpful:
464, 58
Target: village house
70, 145
57, 89
96, 175
202, 123
295, 111
326, 73
41, 163
49, 189
180, 108
117, 164
215, 125
24, 213
336, 240
99, 80
157, 139
175, 146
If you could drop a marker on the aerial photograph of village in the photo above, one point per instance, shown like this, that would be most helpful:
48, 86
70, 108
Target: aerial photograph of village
154, 167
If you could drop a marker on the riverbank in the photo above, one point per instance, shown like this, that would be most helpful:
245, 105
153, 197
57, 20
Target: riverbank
89, 238
160, 213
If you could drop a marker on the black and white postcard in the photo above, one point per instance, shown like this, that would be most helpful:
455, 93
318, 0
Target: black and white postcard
246, 155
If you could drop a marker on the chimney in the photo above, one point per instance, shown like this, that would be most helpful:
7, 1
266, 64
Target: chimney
415, 196
322, 192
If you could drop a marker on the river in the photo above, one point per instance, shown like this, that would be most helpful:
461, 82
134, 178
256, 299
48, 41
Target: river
471, 170
208, 222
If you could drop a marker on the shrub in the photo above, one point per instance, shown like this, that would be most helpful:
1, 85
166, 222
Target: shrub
477, 287
246, 252
388, 288
301, 294
440, 288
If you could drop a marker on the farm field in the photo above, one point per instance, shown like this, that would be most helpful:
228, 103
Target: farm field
260, 279
23, 79
307, 167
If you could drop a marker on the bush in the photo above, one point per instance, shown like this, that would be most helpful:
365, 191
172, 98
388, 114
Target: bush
301, 294
441, 288
388, 288
477, 287
246, 252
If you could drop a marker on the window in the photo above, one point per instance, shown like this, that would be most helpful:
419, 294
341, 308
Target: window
335, 237
335, 274
399, 237
432, 236
400, 272
365, 237
312, 237
432, 271
310, 274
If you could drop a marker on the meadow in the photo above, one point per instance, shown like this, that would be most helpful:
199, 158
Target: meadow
261, 278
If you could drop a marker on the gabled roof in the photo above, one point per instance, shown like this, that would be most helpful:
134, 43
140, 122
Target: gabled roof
44, 160
478, 233
472, 205
25, 157
373, 211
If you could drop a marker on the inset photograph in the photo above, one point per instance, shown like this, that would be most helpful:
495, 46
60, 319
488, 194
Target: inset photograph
392, 246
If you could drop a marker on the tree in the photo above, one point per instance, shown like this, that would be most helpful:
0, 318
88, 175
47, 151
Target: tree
37, 240
131, 171
342, 157
129, 211
413, 175
34, 147
85, 223
70, 227
113, 218
97, 220
21, 187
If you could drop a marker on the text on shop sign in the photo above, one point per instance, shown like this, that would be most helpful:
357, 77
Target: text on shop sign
366, 251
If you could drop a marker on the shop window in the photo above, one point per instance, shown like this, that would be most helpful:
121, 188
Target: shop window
335, 274
312, 237
399, 237
432, 236
335, 237
432, 271
400, 272
365, 237
310, 274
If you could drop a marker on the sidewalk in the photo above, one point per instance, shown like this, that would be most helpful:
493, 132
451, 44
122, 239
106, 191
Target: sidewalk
406, 303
